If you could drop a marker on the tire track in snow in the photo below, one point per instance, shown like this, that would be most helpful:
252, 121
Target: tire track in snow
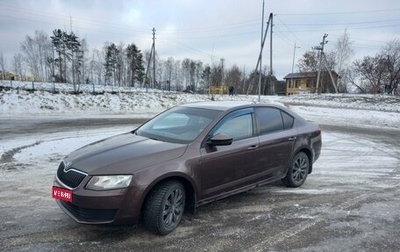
8, 156
265, 245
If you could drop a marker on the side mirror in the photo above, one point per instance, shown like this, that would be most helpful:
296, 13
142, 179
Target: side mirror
220, 139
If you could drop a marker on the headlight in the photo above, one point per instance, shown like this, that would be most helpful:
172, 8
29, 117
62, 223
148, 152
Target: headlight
99, 183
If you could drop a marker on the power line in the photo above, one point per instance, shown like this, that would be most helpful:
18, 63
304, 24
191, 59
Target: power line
339, 13
343, 23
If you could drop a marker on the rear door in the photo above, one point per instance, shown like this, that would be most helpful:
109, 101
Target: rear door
277, 139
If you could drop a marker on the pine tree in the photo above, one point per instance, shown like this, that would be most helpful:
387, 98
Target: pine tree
135, 61
58, 42
111, 62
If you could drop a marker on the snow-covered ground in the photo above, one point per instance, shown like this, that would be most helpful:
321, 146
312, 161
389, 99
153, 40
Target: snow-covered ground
355, 110
350, 164
365, 110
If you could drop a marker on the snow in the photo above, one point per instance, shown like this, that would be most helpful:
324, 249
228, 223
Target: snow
43, 153
354, 170
372, 110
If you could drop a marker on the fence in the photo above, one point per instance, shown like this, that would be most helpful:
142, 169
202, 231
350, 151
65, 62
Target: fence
32, 86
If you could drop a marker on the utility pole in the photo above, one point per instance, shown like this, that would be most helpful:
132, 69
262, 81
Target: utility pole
323, 60
259, 61
271, 17
261, 49
272, 83
294, 56
154, 57
320, 48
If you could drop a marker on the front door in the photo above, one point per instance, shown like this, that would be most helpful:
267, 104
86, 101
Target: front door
226, 168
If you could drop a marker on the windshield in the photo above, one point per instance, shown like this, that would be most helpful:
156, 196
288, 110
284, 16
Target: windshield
178, 125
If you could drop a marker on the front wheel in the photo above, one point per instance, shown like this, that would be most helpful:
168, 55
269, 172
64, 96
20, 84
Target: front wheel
164, 207
298, 170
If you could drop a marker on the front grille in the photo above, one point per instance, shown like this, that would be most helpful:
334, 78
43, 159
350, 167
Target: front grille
71, 177
90, 215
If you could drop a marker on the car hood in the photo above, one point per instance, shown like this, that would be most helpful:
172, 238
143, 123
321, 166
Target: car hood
122, 154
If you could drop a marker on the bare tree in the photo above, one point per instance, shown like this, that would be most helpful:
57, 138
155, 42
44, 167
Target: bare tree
186, 71
169, 66
216, 76
36, 50
381, 73
391, 54
149, 73
234, 78
206, 76
197, 74
3, 64
18, 64
85, 58
97, 66
309, 62
177, 75
344, 52
43, 46
30, 52
371, 71
121, 64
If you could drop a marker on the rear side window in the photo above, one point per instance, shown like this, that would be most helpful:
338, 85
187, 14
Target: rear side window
287, 120
273, 119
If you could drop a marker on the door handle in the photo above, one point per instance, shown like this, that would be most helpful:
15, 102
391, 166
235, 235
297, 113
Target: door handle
253, 147
292, 138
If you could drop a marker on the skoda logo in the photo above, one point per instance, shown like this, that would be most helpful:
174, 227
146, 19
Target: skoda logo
67, 165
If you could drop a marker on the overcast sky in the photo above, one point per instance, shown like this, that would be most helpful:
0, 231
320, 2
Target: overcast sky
207, 30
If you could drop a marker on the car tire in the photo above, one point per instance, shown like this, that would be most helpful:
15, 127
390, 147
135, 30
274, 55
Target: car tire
164, 207
298, 170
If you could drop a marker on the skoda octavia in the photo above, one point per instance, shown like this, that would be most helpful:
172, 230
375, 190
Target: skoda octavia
185, 157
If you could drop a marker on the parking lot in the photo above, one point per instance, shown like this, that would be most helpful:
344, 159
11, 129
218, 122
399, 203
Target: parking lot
349, 203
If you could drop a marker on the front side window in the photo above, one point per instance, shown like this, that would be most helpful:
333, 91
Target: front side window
237, 127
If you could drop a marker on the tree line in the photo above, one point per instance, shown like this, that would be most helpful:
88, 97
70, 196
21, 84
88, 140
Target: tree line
65, 58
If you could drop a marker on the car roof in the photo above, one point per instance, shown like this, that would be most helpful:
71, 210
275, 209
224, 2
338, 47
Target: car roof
218, 105
230, 105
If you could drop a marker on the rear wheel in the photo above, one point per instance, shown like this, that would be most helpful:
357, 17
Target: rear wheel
164, 207
298, 170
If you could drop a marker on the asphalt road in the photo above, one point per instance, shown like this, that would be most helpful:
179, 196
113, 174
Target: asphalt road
350, 202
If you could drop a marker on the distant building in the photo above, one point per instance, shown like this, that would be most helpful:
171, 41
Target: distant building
306, 82
7, 76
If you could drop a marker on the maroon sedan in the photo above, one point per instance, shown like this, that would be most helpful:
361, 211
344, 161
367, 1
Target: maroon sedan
185, 157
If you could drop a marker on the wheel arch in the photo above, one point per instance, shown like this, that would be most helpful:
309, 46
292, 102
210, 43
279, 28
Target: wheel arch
189, 189
309, 154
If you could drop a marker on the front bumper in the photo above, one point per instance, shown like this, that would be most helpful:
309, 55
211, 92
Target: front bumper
88, 215
101, 207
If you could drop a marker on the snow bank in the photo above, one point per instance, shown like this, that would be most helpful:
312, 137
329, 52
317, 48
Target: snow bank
343, 109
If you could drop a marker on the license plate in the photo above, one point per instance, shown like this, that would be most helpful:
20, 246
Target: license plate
62, 194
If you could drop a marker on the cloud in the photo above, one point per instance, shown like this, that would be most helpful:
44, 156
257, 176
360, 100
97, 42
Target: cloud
206, 30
